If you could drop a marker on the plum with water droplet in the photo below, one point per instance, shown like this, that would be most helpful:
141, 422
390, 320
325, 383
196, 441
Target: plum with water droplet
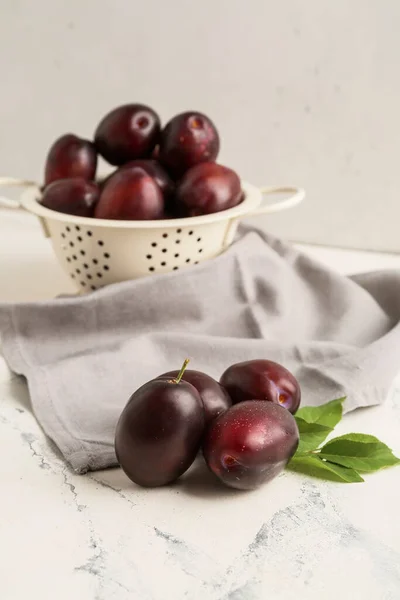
250, 444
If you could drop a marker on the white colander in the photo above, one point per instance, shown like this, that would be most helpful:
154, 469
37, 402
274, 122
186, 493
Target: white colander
97, 252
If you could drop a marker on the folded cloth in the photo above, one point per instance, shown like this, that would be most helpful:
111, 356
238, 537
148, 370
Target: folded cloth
84, 356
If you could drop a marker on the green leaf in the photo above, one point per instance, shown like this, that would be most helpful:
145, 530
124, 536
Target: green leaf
311, 435
328, 414
316, 467
359, 451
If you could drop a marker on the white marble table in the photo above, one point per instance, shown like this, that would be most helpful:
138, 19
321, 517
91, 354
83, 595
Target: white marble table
99, 537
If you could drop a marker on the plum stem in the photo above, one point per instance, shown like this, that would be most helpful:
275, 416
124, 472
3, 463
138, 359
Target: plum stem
181, 372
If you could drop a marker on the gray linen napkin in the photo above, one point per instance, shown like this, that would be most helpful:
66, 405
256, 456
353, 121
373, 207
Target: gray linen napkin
84, 356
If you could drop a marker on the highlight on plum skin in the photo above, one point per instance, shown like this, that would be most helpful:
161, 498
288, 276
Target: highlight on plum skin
250, 444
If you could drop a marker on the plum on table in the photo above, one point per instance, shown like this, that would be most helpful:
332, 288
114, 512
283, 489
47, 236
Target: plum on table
251, 443
262, 380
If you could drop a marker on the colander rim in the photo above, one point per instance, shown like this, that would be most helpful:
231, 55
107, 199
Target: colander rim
252, 200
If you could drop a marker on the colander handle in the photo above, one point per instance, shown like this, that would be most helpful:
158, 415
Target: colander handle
297, 195
11, 182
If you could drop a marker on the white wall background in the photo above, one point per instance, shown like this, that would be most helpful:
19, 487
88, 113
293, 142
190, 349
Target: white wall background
304, 92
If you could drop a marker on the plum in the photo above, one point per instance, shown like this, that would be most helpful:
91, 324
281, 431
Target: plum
128, 132
262, 380
71, 196
207, 188
130, 194
70, 156
214, 397
250, 444
157, 172
188, 139
159, 432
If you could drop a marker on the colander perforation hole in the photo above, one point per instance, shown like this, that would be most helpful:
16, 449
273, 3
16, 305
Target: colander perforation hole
89, 276
106, 255
154, 244
188, 260
68, 229
72, 275
89, 233
79, 238
175, 268
72, 244
191, 232
106, 268
77, 228
164, 250
199, 239
200, 249
177, 241
163, 264
149, 256
74, 256
83, 253
100, 243
95, 261
151, 269
68, 259
165, 235
86, 266
176, 255
99, 275
196, 262
179, 231
63, 235
93, 287
83, 283
78, 271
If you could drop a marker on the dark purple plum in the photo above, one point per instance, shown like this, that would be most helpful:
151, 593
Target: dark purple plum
159, 432
157, 172
70, 156
72, 197
130, 194
188, 139
262, 380
207, 188
126, 133
251, 443
214, 397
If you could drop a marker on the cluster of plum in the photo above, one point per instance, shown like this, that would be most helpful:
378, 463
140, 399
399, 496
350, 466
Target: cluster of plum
161, 173
244, 425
